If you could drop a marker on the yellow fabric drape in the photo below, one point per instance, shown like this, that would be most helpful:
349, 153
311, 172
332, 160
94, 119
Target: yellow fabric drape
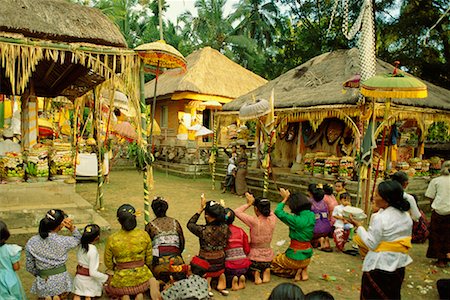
401, 245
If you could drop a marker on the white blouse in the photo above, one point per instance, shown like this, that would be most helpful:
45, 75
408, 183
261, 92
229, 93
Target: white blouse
388, 225
92, 285
414, 210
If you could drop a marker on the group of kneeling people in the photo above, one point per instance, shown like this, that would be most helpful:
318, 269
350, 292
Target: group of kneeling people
152, 259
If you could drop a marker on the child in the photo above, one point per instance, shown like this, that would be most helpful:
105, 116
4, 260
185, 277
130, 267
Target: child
339, 187
294, 262
231, 174
236, 260
330, 200
261, 231
88, 281
10, 285
47, 254
287, 290
193, 287
319, 295
341, 226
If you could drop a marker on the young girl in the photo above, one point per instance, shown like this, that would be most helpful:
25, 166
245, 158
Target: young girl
261, 231
47, 254
213, 238
294, 262
88, 281
236, 260
10, 286
341, 226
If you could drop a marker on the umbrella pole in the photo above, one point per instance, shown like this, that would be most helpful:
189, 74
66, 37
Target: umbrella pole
370, 168
97, 116
147, 169
153, 107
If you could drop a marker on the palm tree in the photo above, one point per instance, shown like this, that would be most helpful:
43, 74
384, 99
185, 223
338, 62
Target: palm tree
258, 19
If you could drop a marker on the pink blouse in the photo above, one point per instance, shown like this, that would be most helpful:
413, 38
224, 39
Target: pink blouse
261, 231
331, 202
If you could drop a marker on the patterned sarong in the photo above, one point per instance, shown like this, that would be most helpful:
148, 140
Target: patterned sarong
284, 266
379, 284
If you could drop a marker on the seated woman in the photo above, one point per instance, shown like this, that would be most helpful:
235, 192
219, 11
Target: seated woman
294, 262
128, 253
167, 239
322, 229
388, 240
213, 238
236, 260
261, 231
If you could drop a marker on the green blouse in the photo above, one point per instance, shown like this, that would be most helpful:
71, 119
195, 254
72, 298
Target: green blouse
128, 246
301, 228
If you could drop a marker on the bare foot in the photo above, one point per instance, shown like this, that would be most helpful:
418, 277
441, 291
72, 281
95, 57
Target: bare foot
126, 297
242, 280
76, 297
235, 284
139, 297
305, 274
258, 277
222, 284
87, 298
298, 275
56, 298
266, 275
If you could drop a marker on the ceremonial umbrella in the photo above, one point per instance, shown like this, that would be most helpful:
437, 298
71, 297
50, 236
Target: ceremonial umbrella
392, 85
157, 56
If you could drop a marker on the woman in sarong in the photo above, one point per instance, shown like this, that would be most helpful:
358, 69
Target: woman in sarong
241, 174
213, 238
294, 262
167, 240
128, 253
388, 240
439, 239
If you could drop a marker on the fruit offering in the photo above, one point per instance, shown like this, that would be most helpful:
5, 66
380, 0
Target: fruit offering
61, 163
331, 168
346, 167
13, 165
37, 164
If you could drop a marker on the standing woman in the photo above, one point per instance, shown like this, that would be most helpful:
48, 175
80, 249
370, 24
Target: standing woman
388, 240
439, 239
167, 239
241, 174
47, 253
294, 262
261, 231
213, 238
128, 253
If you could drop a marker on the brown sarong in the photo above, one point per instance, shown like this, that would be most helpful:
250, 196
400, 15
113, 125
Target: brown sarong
115, 292
82, 271
379, 284
130, 265
439, 238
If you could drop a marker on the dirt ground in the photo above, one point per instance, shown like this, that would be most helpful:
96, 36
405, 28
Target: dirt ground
184, 199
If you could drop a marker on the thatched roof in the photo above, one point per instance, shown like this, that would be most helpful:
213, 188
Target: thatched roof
208, 72
59, 20
318, 82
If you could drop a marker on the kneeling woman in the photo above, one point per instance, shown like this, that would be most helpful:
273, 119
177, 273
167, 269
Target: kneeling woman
213, 239
388, 240
128, 253
294, 262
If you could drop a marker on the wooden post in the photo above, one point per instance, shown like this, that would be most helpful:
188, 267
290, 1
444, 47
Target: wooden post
258, 143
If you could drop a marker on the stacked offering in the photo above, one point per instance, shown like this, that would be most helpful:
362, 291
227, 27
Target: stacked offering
13, 166
346, 167
37, 164
331, 169
61, 162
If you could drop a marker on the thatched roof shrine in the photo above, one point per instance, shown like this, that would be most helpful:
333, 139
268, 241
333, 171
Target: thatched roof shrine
209, 73
62, 48
318, 83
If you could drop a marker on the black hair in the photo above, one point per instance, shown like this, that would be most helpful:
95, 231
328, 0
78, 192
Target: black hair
285, 291
229, 216
177, 276
126, 214
400, 177
159, 207
340, 181
263, 206
4, 233
298, 202
328, 189
53, 218
91, 232
392, 192
318, 194
319, 295
215, 210
197, 270
344, 195
312, 187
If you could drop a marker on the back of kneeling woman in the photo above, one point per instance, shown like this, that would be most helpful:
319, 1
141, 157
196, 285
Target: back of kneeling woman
389, 240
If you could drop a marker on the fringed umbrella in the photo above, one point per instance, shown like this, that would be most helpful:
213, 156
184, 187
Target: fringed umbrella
125, 130
255, 110
161, 55
395, 85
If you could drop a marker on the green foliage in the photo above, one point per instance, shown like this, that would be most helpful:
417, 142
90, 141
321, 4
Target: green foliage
438, 132
140, 156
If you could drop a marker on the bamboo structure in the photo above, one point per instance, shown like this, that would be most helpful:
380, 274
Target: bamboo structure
100, 149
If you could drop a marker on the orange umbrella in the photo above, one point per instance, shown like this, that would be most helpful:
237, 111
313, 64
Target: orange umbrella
125, 130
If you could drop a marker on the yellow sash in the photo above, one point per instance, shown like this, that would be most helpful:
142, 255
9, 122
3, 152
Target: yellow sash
401, 245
